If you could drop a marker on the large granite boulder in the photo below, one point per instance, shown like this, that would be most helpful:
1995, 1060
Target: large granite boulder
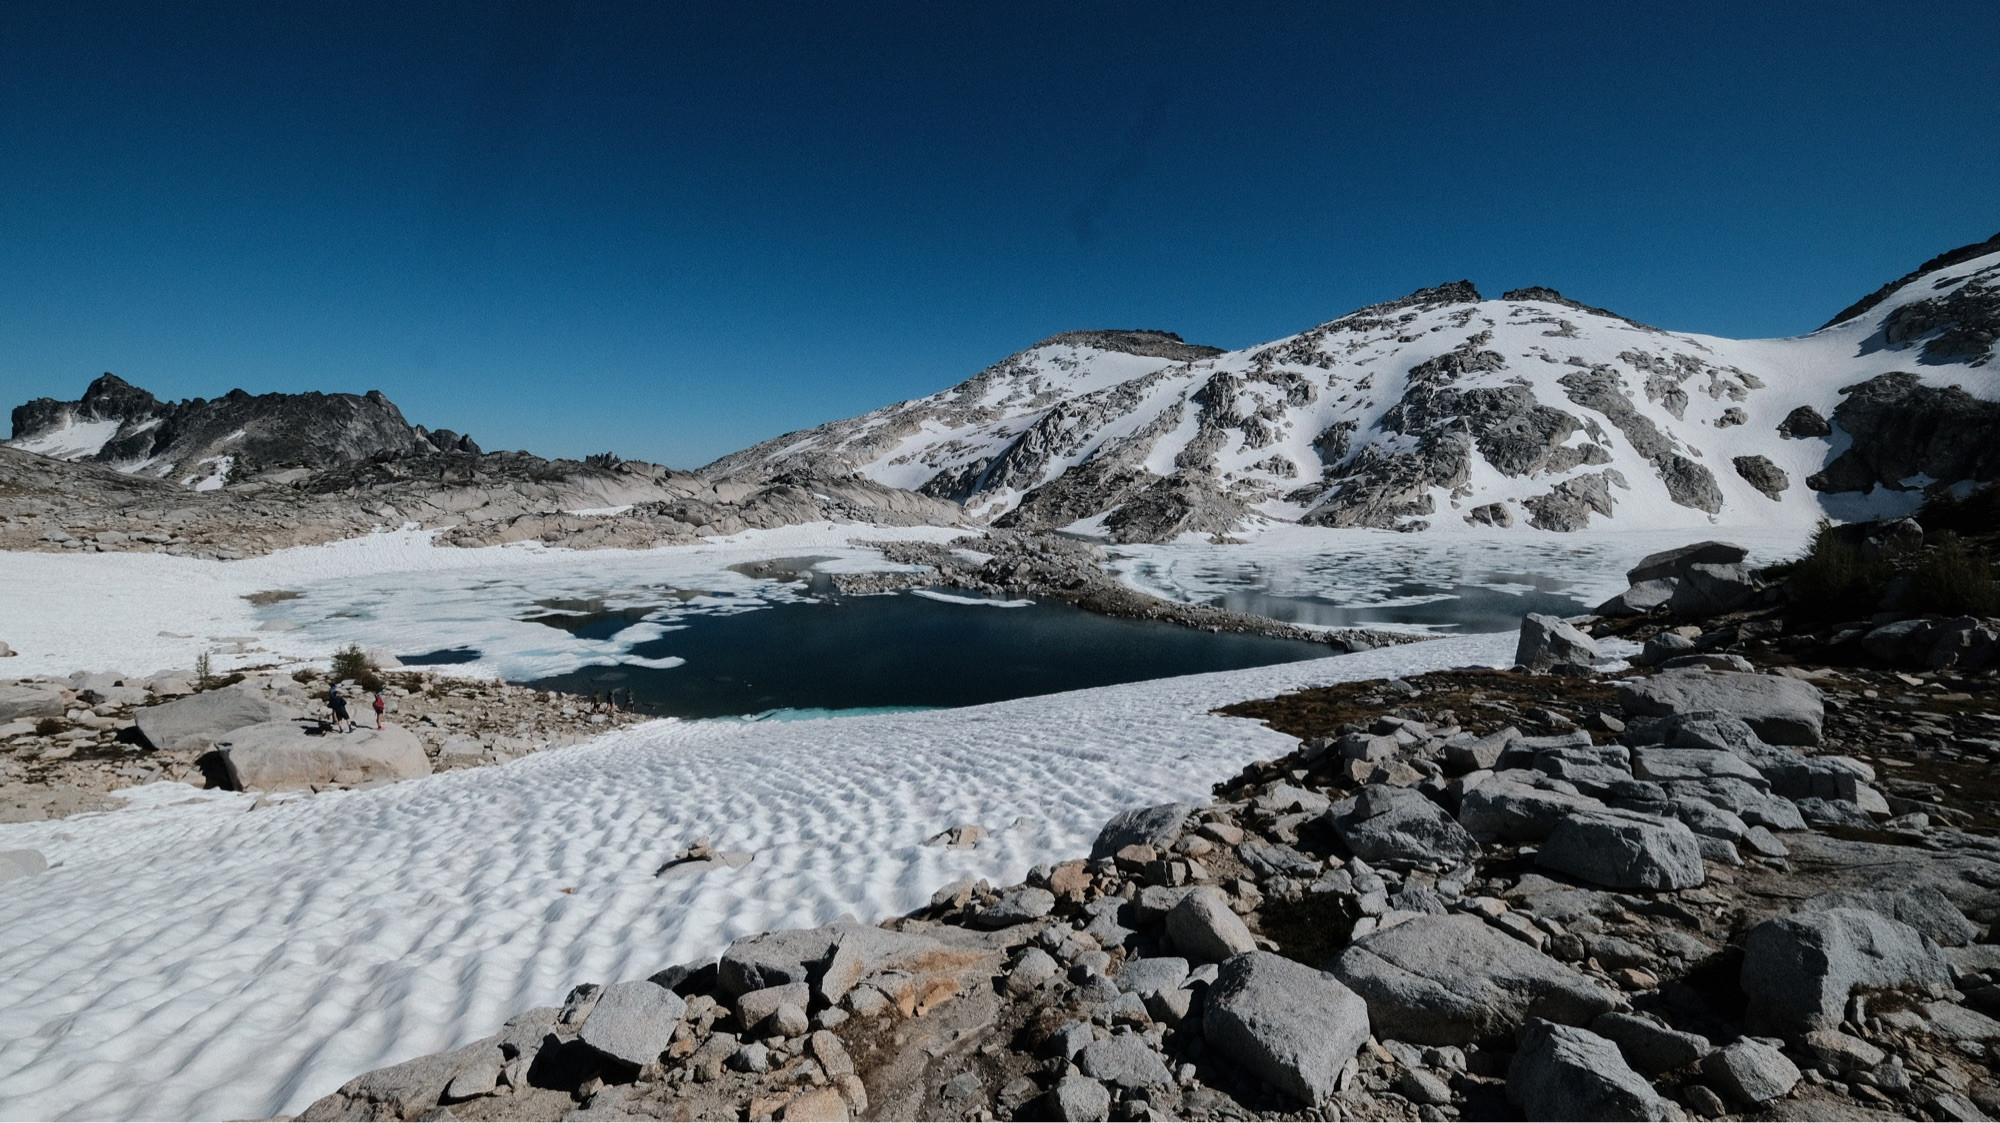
1800, 970
1562, 1072
1549, 640
1451, 980
1154, 826
199, 720
1505, 809
1622, 850
1676, 562
292, 755
1285, 1022
1923, 907
31, 700
1706, 590
633, 1021
1389, 824
1783, 711
1640, 599
1205, 929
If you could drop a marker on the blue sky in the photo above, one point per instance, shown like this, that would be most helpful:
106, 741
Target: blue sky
673, 230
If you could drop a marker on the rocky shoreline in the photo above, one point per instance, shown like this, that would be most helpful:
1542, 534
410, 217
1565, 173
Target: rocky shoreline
70, 743
1756, 883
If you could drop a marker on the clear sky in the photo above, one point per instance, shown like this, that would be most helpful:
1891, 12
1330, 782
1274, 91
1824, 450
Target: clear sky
672, 230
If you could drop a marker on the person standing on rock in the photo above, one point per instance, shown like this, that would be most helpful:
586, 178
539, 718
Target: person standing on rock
380, 705
339, 706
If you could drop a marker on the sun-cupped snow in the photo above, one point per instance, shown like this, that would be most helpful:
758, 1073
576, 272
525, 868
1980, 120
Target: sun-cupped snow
1446, 408
208, 956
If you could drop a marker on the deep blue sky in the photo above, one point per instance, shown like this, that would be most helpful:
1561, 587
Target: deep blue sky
672, 230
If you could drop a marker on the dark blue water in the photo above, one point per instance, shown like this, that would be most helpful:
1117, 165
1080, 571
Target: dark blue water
899, 650
441, 657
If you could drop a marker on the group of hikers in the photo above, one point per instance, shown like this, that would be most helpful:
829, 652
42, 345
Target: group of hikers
337, 702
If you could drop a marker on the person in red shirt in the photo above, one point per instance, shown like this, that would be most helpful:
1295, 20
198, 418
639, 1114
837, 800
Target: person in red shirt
380, 705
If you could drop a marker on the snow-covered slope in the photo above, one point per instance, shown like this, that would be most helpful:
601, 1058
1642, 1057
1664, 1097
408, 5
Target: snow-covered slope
1447, 409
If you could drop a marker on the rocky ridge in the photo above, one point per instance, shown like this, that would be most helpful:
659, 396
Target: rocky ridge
473, 499
1733, 884
204, 444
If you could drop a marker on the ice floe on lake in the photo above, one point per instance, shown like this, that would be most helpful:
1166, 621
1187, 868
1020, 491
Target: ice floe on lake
1480, 580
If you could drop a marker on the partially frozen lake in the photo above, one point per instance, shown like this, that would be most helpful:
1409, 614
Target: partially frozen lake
821, 654
735, 631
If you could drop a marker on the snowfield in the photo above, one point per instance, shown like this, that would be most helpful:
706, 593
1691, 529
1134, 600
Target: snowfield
198, 957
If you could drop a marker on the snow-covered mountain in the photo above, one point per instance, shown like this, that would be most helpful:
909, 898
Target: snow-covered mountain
1445, 408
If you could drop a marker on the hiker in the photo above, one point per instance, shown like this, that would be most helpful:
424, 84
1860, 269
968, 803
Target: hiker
380, 705
339, 705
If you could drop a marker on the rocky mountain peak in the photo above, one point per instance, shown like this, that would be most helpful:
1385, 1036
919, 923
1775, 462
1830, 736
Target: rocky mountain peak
205, 443
1137, 341
1542, 295
109, 396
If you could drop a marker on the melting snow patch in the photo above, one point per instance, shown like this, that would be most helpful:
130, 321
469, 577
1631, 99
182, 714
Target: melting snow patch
75, 441
218, 473
950, 598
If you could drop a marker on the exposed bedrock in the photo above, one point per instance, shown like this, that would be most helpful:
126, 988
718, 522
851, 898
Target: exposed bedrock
1759, 472
1688, 483
1944, 260
1902, 429
1960, 325
1569, 505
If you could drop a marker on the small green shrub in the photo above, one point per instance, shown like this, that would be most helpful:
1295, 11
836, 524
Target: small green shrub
1976, 514
204, 672
351, 662
1833, 579
50, 726
1952, 578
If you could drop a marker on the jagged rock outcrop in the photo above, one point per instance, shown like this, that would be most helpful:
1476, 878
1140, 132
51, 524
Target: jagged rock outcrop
206, 443
1903, 430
